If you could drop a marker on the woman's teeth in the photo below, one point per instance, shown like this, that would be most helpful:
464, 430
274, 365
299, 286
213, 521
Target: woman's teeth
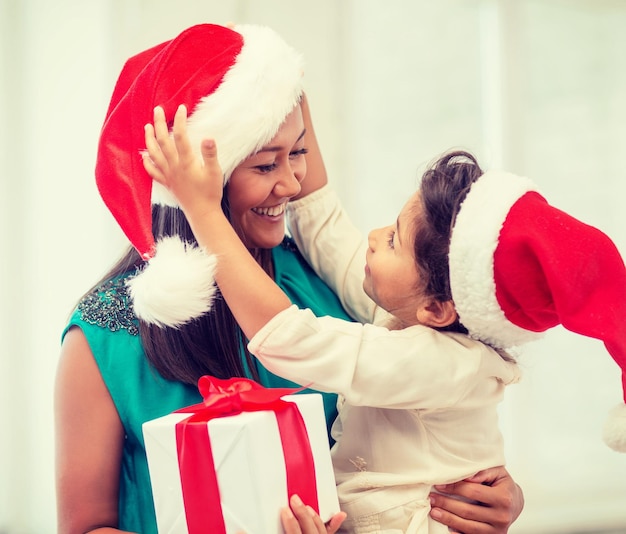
272, 211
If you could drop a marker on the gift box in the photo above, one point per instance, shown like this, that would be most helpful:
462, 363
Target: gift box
229, 464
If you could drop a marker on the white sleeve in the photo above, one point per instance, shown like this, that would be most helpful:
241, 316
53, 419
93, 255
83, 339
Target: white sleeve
370, 365
334, 248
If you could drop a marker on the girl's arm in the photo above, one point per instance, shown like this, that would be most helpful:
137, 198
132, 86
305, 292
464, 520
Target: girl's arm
251, 294
89, 441
335, 249
325, 235
316, 176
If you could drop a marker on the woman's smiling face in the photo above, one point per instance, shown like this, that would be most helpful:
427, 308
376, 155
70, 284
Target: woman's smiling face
260, 187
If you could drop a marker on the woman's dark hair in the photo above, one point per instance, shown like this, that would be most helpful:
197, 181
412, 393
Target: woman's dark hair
210, 344
443, 188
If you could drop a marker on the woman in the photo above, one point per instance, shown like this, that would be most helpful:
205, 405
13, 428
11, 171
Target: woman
131, 352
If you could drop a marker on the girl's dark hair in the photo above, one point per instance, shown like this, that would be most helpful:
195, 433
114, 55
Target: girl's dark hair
443, 188
210, 344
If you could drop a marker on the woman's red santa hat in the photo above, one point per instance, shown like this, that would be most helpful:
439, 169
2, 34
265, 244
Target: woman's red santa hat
519, 266
239, 85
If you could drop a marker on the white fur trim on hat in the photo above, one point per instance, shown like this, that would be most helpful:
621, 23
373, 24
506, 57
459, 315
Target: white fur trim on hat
162, 196
257, 93
472, 245
614, 433
177, 285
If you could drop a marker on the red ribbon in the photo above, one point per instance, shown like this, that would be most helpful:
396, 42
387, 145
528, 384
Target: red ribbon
224, 398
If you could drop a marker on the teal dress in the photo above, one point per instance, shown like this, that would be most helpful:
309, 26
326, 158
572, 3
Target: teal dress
141, 394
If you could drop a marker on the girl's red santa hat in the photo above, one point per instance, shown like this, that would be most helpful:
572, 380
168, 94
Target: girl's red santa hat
519, 266
239, 85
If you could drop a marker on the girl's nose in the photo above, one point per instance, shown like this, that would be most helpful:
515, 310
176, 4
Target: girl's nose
371, 239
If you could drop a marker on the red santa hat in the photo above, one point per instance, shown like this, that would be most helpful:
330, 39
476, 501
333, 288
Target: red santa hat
239, 85
519, 266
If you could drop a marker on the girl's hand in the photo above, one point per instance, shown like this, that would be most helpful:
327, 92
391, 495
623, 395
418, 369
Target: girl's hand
316, 176
170, 161
495, 502
302, 519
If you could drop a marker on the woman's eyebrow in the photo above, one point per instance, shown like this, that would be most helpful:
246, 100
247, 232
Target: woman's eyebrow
277, 148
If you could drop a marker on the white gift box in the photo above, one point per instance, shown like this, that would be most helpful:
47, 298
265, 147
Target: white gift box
248, 460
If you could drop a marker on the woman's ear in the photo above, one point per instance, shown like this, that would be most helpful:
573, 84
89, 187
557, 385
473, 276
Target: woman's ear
436, 313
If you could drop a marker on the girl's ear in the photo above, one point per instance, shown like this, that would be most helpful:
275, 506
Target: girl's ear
437, 314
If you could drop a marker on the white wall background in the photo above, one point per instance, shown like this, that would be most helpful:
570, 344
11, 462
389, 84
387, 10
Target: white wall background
536, 86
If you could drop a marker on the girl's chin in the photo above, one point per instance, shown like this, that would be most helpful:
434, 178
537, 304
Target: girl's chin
366, 289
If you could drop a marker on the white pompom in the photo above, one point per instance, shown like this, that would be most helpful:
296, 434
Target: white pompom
615, 429
176, 286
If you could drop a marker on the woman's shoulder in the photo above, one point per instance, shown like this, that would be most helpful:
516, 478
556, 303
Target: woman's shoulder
107, 306
106, 319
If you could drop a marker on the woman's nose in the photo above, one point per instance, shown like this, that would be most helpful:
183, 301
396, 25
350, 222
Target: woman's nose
288, 184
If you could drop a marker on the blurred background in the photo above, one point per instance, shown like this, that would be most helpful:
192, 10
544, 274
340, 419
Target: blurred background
535, 86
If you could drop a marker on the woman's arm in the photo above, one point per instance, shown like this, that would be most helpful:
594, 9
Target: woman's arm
496, 501
89, 442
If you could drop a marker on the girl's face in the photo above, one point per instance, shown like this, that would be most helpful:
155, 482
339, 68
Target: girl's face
260, 187
391, 276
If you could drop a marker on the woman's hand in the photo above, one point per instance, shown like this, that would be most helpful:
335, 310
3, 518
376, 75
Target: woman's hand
495, 502
302, 519
169, 160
